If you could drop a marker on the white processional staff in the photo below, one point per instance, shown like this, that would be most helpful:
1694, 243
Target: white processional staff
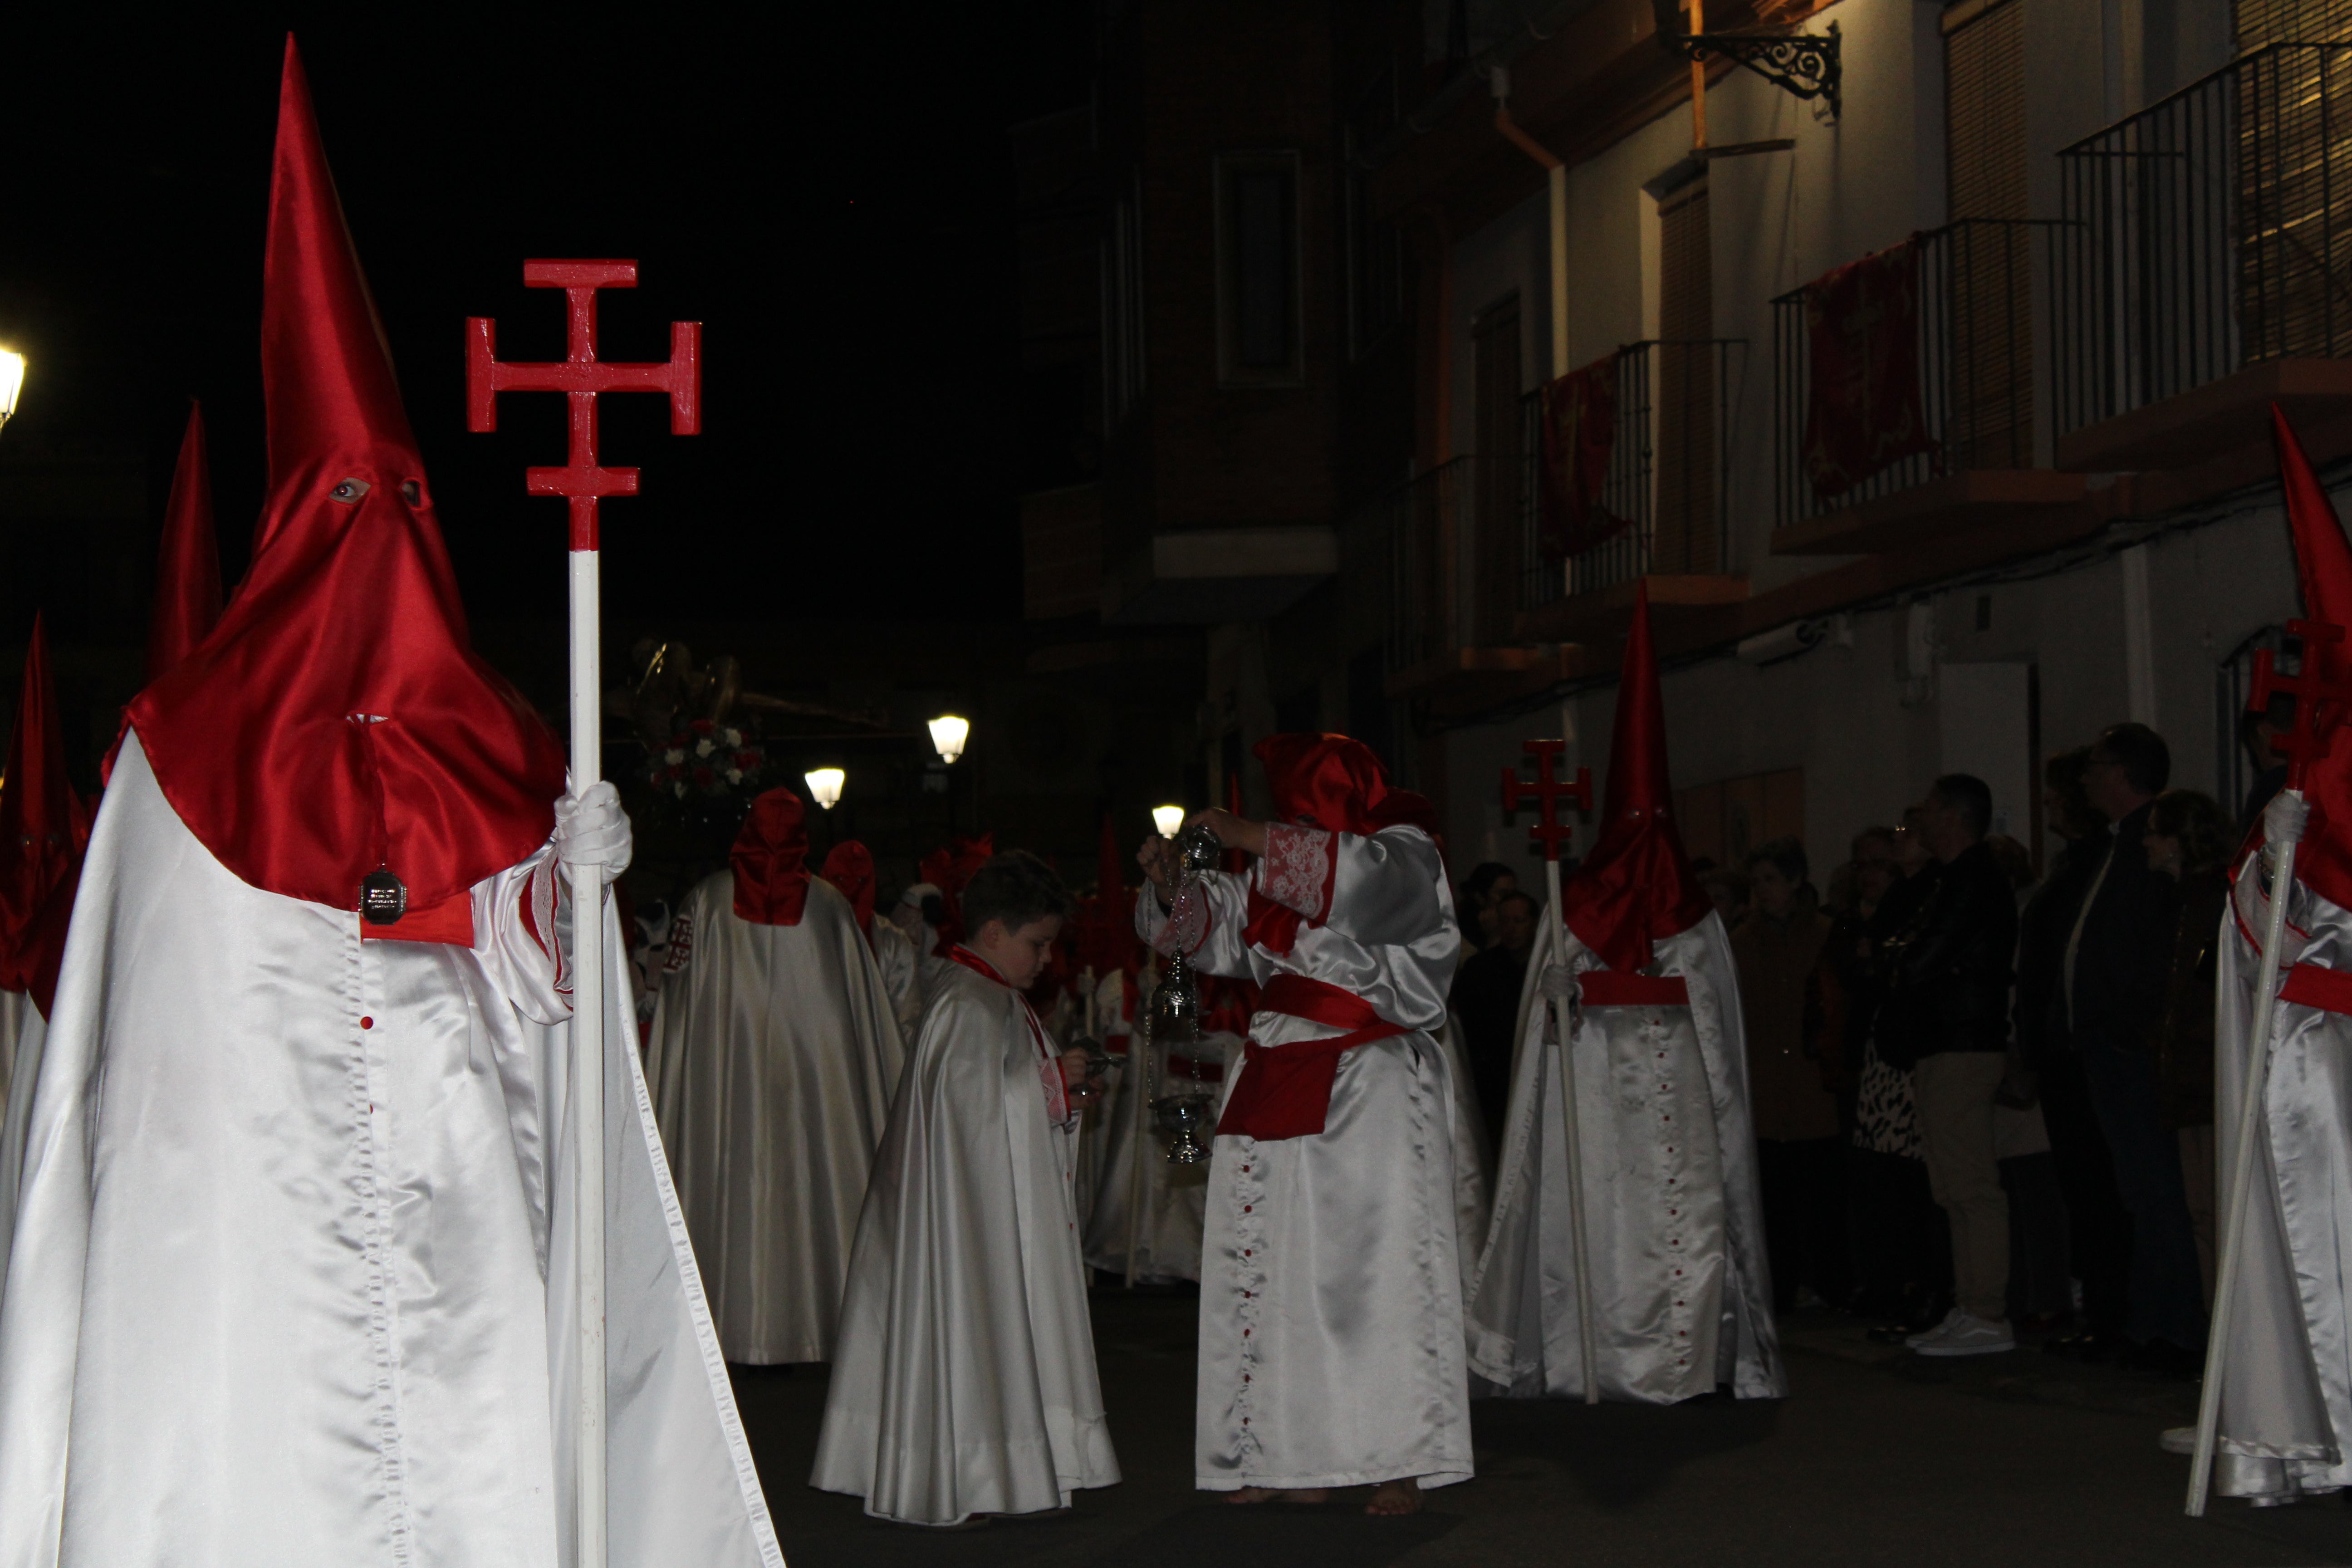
581, 376
1545, 837
2304, 743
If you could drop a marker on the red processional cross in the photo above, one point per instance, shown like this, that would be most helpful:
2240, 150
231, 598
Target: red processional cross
2320, 706
1549, 834
581, 375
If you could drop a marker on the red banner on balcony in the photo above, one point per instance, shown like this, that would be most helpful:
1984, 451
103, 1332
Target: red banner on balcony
1864, 415
1580, 432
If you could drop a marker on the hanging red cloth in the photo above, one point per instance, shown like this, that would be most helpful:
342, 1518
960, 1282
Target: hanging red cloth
1337, 786
1579, 434
849, 867
336, 720
1861, 331
770, 860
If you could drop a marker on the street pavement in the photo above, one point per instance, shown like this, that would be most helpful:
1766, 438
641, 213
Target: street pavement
1877, 1457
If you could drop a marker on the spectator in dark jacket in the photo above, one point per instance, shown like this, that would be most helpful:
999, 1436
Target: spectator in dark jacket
2117, 974
2098, 1230
1487, 1000
2189, 840
1947, 1015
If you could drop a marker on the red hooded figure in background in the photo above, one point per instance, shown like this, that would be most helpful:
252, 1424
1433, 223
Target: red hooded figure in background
297, 1286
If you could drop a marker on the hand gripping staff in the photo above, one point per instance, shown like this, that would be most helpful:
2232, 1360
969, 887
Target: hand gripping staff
2319, 707
1545, 837
583, 481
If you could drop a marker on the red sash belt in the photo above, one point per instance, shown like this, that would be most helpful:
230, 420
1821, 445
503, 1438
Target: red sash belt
1616, 988
1287, 1090
2329, 990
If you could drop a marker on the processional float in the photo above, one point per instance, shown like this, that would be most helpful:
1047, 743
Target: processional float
582, 482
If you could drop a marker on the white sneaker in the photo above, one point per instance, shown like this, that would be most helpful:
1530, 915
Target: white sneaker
2178, 1440
1951, 1320
1971, 1336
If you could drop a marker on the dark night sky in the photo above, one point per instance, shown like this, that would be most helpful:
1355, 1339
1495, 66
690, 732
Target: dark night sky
829, 192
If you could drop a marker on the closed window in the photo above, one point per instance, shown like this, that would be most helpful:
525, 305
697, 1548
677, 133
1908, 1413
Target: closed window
1257, 270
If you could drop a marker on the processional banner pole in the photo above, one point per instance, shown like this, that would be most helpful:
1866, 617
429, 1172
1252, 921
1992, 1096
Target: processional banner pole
2305, 742
582, 482
1545, 837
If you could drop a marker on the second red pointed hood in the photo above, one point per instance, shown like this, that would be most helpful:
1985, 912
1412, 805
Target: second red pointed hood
770, 860
1636, 887
849, 867
2322, 565
187, 568
336, 720
42, 827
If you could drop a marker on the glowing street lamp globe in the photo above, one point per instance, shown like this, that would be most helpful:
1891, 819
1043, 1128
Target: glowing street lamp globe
825, 785
1169, 819
948, 736
11, 381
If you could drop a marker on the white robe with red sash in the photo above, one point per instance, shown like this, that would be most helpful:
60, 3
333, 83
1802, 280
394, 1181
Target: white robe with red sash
1331, 1338
774, 1057
292, 1274
1682, 1297
963, 1378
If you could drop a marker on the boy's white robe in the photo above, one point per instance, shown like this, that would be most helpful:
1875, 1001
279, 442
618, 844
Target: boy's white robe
291, 1283
1682, 1295
774, 1057
1331, 1336
894, 951
963, 1378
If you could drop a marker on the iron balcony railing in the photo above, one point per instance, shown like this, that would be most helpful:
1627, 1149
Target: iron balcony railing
1425, 526
1977, 364
2208, 232
1665, 493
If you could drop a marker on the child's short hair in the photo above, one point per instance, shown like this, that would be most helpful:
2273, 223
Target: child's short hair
1015, 888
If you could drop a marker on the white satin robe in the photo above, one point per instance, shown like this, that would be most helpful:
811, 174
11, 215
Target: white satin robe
1673, 1217
1331, 1337
291, 1283
894, 951
774, 1057
1138, 1192
963, 1380
32, 1031
2286, 1392
1114, 1031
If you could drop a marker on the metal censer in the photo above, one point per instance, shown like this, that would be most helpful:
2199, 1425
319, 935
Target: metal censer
1186, 1113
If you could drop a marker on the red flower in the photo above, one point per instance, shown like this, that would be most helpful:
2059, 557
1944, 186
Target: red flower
702, 778
702, 726
747, 761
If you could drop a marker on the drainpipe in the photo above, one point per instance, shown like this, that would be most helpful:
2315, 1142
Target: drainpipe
1557, 176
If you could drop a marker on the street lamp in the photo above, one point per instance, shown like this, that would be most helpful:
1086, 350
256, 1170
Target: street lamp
948, 736
825, 785
11, 381
1168, 819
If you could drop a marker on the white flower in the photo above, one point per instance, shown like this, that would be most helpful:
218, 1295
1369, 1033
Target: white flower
732, 737
734, 776
673, 756
703, 748
681, 789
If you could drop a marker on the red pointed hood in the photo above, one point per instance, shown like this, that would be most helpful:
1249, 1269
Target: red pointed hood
42, 828
1336, 784
1635, 887
770, 860
849, 867
947, 870
1110, 942
336, 720
2322, 565
187, 569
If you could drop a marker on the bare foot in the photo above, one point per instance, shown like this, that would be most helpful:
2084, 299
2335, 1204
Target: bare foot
1271, 1494
1395, 1497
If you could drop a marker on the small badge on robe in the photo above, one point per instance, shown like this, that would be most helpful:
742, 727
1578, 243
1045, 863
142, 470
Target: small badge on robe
384, 898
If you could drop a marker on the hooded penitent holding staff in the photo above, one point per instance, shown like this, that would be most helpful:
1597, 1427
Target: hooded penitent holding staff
293, 1271
773, 1058
1680, 1291
1331, 1350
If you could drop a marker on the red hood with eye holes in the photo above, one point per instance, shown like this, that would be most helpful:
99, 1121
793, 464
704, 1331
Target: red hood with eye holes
350, 609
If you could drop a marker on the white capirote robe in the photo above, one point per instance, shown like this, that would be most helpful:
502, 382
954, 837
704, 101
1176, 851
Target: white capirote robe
14, 1005
894, 951
2287, 1384
1473, 1162
774, 1057
963, 1379
1331, 1338
1113, 1031
1682, 1297
1138, 1192
292, 1276
32, 1030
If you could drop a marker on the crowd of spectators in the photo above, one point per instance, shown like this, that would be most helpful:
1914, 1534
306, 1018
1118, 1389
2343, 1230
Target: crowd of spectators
1983, 1093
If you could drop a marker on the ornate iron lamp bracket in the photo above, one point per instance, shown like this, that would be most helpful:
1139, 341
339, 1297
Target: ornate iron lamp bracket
1805, 64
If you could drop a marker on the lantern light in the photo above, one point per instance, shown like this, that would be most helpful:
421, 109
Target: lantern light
1168, 819
11, 381
948, 736
825, 785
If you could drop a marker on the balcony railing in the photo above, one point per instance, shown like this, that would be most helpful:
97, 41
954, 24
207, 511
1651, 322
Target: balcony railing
1976, 370
1667, 480
2211, 232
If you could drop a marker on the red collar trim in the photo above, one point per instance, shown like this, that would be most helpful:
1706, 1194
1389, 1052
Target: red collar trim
977, 965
